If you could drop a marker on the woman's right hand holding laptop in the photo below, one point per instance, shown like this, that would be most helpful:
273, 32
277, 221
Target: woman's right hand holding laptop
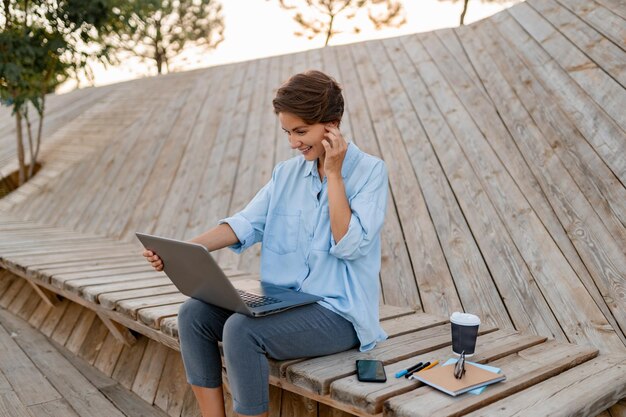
154, 259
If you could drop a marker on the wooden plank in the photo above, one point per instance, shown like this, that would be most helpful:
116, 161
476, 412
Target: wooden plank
21, 297
589, 75
68, 321
603, 52
370, 398
152, 316
93, 343
129, 289
128, 364
408, 324
169, 326
110, 271
53, 317
77, 285
39, 315
616, 6
585, 390
12, 291
150, 370
171, 391
6, 279
132, 306
56, 408
109, 354
10, 406
80, 331
109, 299
81, 395
25, 378
467, 266
599, 129
601, 19
577, 214
46, 296
388, 312
619, 409
129, 403
118, 331
317, 374
522, 370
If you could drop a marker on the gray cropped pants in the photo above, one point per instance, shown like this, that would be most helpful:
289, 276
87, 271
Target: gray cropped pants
306, 331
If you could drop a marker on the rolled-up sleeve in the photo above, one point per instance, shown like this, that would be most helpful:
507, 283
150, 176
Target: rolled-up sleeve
249, 223
368, 214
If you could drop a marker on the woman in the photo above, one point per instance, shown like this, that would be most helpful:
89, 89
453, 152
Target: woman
319, 220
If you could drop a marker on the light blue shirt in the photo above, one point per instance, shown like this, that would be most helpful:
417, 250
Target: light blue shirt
290, 216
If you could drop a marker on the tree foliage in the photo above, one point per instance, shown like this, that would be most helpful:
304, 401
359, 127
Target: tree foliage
42, 43
321, 15
159, 30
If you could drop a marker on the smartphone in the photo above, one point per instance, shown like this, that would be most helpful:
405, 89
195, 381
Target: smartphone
370, 371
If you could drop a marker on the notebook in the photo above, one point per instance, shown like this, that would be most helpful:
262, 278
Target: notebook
479, 390
442, 378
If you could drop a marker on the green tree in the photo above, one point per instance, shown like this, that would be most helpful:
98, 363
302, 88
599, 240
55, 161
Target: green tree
161, 29
466, 2
42, 43
321, 18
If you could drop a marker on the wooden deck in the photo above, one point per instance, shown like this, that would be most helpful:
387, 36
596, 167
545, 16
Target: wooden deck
41, 378
505, 142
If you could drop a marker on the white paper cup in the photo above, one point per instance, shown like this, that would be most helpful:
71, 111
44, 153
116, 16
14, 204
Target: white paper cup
464, 332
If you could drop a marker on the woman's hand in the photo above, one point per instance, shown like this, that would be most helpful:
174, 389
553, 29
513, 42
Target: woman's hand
336, 148
154, 259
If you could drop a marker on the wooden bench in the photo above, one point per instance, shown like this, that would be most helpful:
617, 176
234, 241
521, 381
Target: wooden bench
110, 278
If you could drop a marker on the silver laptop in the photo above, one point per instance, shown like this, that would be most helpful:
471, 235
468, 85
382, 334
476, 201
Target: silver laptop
195, 273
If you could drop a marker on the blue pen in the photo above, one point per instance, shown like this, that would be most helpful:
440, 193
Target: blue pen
400, 374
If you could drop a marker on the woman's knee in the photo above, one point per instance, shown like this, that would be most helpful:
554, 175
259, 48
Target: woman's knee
238, 329
195, 315
189, 310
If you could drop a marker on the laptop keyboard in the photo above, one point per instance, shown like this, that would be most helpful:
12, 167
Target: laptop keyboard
253, 300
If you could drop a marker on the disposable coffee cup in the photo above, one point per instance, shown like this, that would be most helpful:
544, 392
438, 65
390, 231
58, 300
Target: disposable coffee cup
464, 332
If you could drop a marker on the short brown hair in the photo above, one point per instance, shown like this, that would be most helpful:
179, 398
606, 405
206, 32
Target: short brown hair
312, 96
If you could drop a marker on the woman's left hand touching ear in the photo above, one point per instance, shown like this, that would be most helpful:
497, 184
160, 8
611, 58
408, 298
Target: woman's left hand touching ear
336, 147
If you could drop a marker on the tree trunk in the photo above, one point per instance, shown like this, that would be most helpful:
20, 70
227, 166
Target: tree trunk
31, 149
464, 11
330, 30
20, 148
38, 140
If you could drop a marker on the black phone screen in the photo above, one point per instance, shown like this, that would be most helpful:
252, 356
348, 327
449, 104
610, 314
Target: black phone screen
370, 371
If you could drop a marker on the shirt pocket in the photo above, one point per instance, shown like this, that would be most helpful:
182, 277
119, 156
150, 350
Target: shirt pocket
281, 232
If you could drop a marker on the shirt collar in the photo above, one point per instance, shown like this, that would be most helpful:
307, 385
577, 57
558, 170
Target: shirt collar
351, 156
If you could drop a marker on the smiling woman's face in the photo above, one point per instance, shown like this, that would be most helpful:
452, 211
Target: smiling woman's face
302, 136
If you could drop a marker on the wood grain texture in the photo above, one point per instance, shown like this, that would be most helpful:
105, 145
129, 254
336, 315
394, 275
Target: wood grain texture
522, 369
598, 384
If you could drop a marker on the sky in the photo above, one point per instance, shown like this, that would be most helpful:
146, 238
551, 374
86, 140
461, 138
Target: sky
261, 28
